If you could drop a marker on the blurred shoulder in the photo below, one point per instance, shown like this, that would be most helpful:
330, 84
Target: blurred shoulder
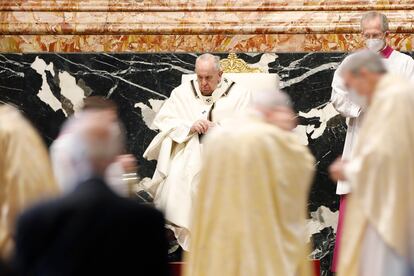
41, 214
403, 56
140, 210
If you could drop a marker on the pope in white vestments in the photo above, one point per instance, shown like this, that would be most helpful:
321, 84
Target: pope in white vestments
374, 29
194, 108
378, 234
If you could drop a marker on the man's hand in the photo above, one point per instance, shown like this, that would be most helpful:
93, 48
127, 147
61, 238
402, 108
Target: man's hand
336, 170
282, 116
201, 126
128, 163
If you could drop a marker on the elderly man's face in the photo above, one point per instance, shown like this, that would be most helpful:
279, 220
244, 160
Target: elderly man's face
372, 29
208, 76
374, 36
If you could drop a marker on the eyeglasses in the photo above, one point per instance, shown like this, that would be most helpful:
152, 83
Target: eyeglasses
373, 36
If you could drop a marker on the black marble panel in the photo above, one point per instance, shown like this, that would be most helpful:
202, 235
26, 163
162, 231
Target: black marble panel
41, 86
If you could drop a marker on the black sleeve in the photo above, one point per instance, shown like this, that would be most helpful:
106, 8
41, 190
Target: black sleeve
31, 239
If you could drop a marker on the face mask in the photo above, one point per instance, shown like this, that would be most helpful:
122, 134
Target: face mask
359, 100
375, 44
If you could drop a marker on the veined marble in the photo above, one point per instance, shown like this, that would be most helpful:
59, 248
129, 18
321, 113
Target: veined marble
195, 26
202, 5
192, 22
50, 87
193, 43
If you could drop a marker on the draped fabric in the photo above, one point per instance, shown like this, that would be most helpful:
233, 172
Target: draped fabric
250, 211
396, 63
178, 152
25, 172
381, 173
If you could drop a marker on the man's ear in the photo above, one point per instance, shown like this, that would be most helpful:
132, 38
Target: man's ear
220, 73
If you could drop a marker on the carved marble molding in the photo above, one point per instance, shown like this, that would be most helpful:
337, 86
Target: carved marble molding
195, 25
208, 22
203, 5
193, 43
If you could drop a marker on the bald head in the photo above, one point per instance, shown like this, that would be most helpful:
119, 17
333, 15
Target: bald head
207, 68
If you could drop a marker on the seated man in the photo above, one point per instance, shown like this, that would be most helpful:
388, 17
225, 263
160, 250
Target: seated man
92, 231
193, 109
378, 229
250, 212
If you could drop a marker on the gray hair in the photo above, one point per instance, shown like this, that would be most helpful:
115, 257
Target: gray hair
374, 15
364, 59
213, 58
270, 99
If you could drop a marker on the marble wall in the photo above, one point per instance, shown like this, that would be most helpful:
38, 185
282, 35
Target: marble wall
53, 53
195, 25
49, 87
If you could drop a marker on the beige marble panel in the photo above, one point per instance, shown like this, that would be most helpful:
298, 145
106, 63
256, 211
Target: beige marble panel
193, 43
195, 25
203, 5
265, 22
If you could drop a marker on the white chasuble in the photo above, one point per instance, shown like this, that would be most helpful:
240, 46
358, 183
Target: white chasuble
396, 63
378, 236
250, 216
178, 151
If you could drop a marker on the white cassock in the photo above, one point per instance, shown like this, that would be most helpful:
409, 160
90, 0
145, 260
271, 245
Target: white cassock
396, 63
178, 151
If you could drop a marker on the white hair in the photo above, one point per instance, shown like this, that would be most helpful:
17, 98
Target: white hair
374, 15
100, 139
210, 57
270, 99
364, 59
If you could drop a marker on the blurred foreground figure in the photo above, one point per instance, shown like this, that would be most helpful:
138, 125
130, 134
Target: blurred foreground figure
378, 234
68, 159
374, 28
25, 173
193, 109
92, 231
250, 213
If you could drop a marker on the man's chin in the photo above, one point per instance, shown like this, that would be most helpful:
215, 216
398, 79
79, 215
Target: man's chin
206, 93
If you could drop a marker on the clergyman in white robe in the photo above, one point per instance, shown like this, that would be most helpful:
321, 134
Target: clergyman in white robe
178, 151
396, 63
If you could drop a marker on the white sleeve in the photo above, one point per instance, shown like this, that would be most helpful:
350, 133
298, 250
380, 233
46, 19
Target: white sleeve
172, 120
340, 96
409, 69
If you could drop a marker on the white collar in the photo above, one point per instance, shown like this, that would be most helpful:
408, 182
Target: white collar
222, 88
